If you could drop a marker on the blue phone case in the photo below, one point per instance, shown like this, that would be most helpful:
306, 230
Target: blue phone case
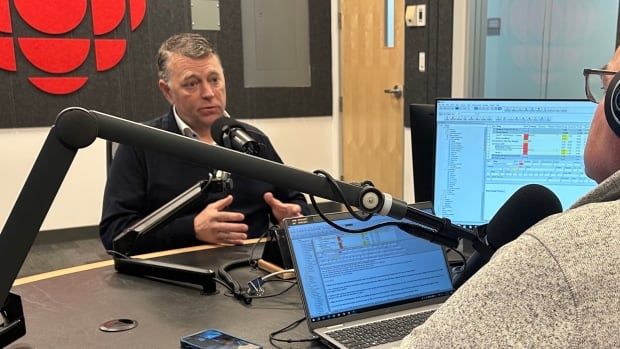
216, 339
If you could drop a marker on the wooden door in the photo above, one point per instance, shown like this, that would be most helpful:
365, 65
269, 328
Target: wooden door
372, 120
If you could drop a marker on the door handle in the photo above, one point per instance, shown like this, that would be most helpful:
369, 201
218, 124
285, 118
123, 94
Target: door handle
396, 91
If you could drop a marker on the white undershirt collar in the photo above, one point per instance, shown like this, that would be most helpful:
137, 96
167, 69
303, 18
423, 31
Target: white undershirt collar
185, 129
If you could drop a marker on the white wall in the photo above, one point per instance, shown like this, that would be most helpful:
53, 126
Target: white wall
460, 42
78, 202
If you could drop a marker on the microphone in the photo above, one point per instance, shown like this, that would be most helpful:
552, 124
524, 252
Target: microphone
231, 134
526, 207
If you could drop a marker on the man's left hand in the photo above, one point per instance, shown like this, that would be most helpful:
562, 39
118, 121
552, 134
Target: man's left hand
280, 209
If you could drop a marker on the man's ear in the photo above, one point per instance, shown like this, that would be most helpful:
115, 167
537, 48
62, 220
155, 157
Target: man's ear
165, 89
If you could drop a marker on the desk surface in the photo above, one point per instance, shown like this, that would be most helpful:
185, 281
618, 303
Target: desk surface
65, 311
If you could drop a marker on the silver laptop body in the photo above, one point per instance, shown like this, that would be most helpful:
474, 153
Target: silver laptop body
348, 280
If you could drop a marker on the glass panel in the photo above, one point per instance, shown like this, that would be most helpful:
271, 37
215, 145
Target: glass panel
538, 49
583, 35
514, 44
389, 23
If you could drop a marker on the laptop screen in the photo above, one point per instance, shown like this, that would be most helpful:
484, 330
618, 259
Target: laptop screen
487, 149
342, 274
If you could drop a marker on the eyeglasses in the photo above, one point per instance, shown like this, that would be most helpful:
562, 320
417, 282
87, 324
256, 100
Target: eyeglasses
597, 81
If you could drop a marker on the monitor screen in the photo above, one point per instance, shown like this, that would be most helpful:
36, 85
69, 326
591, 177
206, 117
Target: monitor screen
422, 122
487, 149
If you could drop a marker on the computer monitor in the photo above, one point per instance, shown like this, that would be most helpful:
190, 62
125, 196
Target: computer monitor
487, 149
422, 123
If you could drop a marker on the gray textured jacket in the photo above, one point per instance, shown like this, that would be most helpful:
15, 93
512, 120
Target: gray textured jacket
557, 285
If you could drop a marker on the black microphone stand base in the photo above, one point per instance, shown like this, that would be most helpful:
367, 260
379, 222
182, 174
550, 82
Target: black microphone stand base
15, 326
168, 271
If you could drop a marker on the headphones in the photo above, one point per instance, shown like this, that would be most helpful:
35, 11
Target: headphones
612, 104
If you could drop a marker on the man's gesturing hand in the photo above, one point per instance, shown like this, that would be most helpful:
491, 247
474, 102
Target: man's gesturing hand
217, 226
280, 209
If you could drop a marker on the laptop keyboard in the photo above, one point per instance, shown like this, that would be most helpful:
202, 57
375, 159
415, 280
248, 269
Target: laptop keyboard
380, 332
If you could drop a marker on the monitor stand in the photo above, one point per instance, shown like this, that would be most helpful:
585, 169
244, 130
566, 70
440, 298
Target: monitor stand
276, 256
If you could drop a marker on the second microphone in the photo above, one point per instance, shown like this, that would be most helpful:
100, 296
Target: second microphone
232, 134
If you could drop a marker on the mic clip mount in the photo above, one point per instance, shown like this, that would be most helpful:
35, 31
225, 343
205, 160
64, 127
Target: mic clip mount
232, 139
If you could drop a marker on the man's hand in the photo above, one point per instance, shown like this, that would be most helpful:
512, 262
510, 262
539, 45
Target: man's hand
281, 210
217, 226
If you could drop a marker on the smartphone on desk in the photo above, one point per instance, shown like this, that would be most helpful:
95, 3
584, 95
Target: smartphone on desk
215, 339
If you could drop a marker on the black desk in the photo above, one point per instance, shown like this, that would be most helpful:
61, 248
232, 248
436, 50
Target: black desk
66, 311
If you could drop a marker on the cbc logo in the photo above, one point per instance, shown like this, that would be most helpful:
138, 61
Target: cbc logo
57, 54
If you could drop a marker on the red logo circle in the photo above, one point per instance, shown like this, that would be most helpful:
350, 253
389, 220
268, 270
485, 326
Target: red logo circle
58, 55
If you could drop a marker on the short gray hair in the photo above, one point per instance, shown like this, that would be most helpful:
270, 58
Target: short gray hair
190, 45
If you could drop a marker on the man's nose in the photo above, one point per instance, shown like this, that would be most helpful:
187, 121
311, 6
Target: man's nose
208, 91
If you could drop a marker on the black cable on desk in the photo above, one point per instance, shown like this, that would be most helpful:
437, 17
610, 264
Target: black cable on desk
287, 328
276, 294
223, 284
236, 289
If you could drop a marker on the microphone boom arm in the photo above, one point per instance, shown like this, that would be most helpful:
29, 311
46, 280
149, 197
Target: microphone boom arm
76, 128
367, 198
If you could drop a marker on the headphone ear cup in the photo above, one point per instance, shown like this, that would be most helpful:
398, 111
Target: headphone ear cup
612, 104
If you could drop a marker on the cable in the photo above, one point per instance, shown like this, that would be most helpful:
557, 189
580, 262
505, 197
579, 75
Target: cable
275, 294
254, 261
282, 280
356, 214
235, 288
402, 225
255, 286
116, 253
336, 188
272, 335
461, 268
223, 284
460, 255
408, 227
277, 273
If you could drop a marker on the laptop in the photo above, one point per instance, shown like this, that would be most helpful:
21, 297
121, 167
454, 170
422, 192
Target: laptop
351, 283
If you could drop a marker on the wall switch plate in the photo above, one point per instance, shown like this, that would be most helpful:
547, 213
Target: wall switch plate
422, 62
420, 15
415, 15
410, 19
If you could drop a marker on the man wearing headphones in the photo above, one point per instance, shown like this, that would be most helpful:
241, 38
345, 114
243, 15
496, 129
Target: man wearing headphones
557, 284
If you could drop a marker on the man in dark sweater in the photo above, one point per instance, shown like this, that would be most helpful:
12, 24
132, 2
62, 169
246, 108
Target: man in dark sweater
140, 181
